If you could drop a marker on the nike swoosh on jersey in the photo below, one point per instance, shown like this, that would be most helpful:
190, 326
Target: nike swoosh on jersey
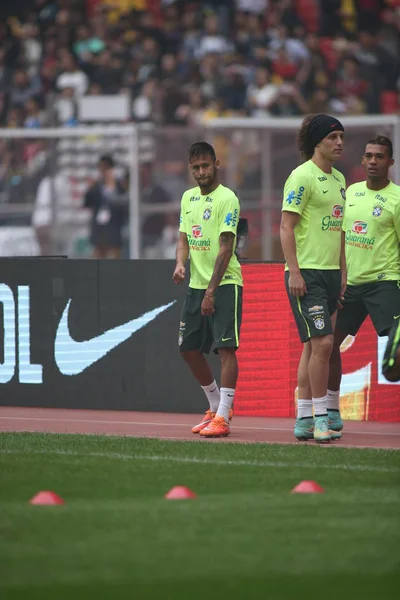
72, 357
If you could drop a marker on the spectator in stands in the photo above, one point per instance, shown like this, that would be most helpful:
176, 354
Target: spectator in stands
15, 118
144, 104
169, 68
34, 119
48, 77
212, 40
235, 91
72, 77
65, 109
108, 72
389, 33
295, 49
262, 94
210, 73
253, 35
23, 88
108, 199
319, 102
32, 47
56, 214
338, 17
65, 21
376, 67
289, 103
191, 35
86, 44
152, 192
149, 53
171, 98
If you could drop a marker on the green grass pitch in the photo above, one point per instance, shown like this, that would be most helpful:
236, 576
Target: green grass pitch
245, 536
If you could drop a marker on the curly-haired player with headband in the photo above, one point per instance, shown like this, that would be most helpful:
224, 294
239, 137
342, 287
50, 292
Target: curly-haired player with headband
315, 272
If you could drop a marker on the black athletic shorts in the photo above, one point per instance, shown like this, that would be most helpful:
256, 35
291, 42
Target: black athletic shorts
220, 330
313, 311
380, 300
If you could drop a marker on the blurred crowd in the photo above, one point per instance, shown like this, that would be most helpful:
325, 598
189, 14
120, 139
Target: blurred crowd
177, 63
185, 61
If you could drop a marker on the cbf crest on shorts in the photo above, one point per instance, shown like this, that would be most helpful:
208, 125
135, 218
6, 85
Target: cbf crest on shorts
319, 322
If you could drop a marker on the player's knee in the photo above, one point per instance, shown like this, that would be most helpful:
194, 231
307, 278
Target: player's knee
322, 347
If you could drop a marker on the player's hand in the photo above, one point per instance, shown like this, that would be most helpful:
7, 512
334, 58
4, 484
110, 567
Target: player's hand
297, 285
179, 274
207, 306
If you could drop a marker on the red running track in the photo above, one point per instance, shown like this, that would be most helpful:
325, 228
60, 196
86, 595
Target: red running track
357, 434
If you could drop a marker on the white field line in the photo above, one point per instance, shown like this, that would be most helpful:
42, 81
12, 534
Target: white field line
186, 425
204, 461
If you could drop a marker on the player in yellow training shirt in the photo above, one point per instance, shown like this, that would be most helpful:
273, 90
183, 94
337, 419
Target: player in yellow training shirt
212, 312
315, 277
372, 230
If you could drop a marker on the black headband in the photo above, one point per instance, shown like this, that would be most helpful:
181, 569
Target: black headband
320, 127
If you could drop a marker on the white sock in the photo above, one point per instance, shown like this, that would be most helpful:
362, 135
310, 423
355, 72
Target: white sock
319, 406
332, 401
304, 409
213, 395
225, 405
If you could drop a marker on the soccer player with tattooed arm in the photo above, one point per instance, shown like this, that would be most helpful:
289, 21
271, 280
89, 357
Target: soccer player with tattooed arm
212, 311
315, 271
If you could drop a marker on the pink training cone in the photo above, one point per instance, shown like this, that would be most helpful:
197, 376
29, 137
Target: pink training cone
308, 487
180, 492
46, 498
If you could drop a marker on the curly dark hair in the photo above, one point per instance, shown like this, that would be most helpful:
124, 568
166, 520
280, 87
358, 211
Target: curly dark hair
303, 143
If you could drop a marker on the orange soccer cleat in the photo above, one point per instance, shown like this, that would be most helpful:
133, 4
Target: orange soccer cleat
208, 417
218, 427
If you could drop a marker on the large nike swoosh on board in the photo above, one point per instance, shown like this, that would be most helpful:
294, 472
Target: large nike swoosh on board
74, 357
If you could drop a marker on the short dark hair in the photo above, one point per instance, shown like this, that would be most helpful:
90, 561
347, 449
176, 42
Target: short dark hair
106, 158
303, 141
382, 140
200, 149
